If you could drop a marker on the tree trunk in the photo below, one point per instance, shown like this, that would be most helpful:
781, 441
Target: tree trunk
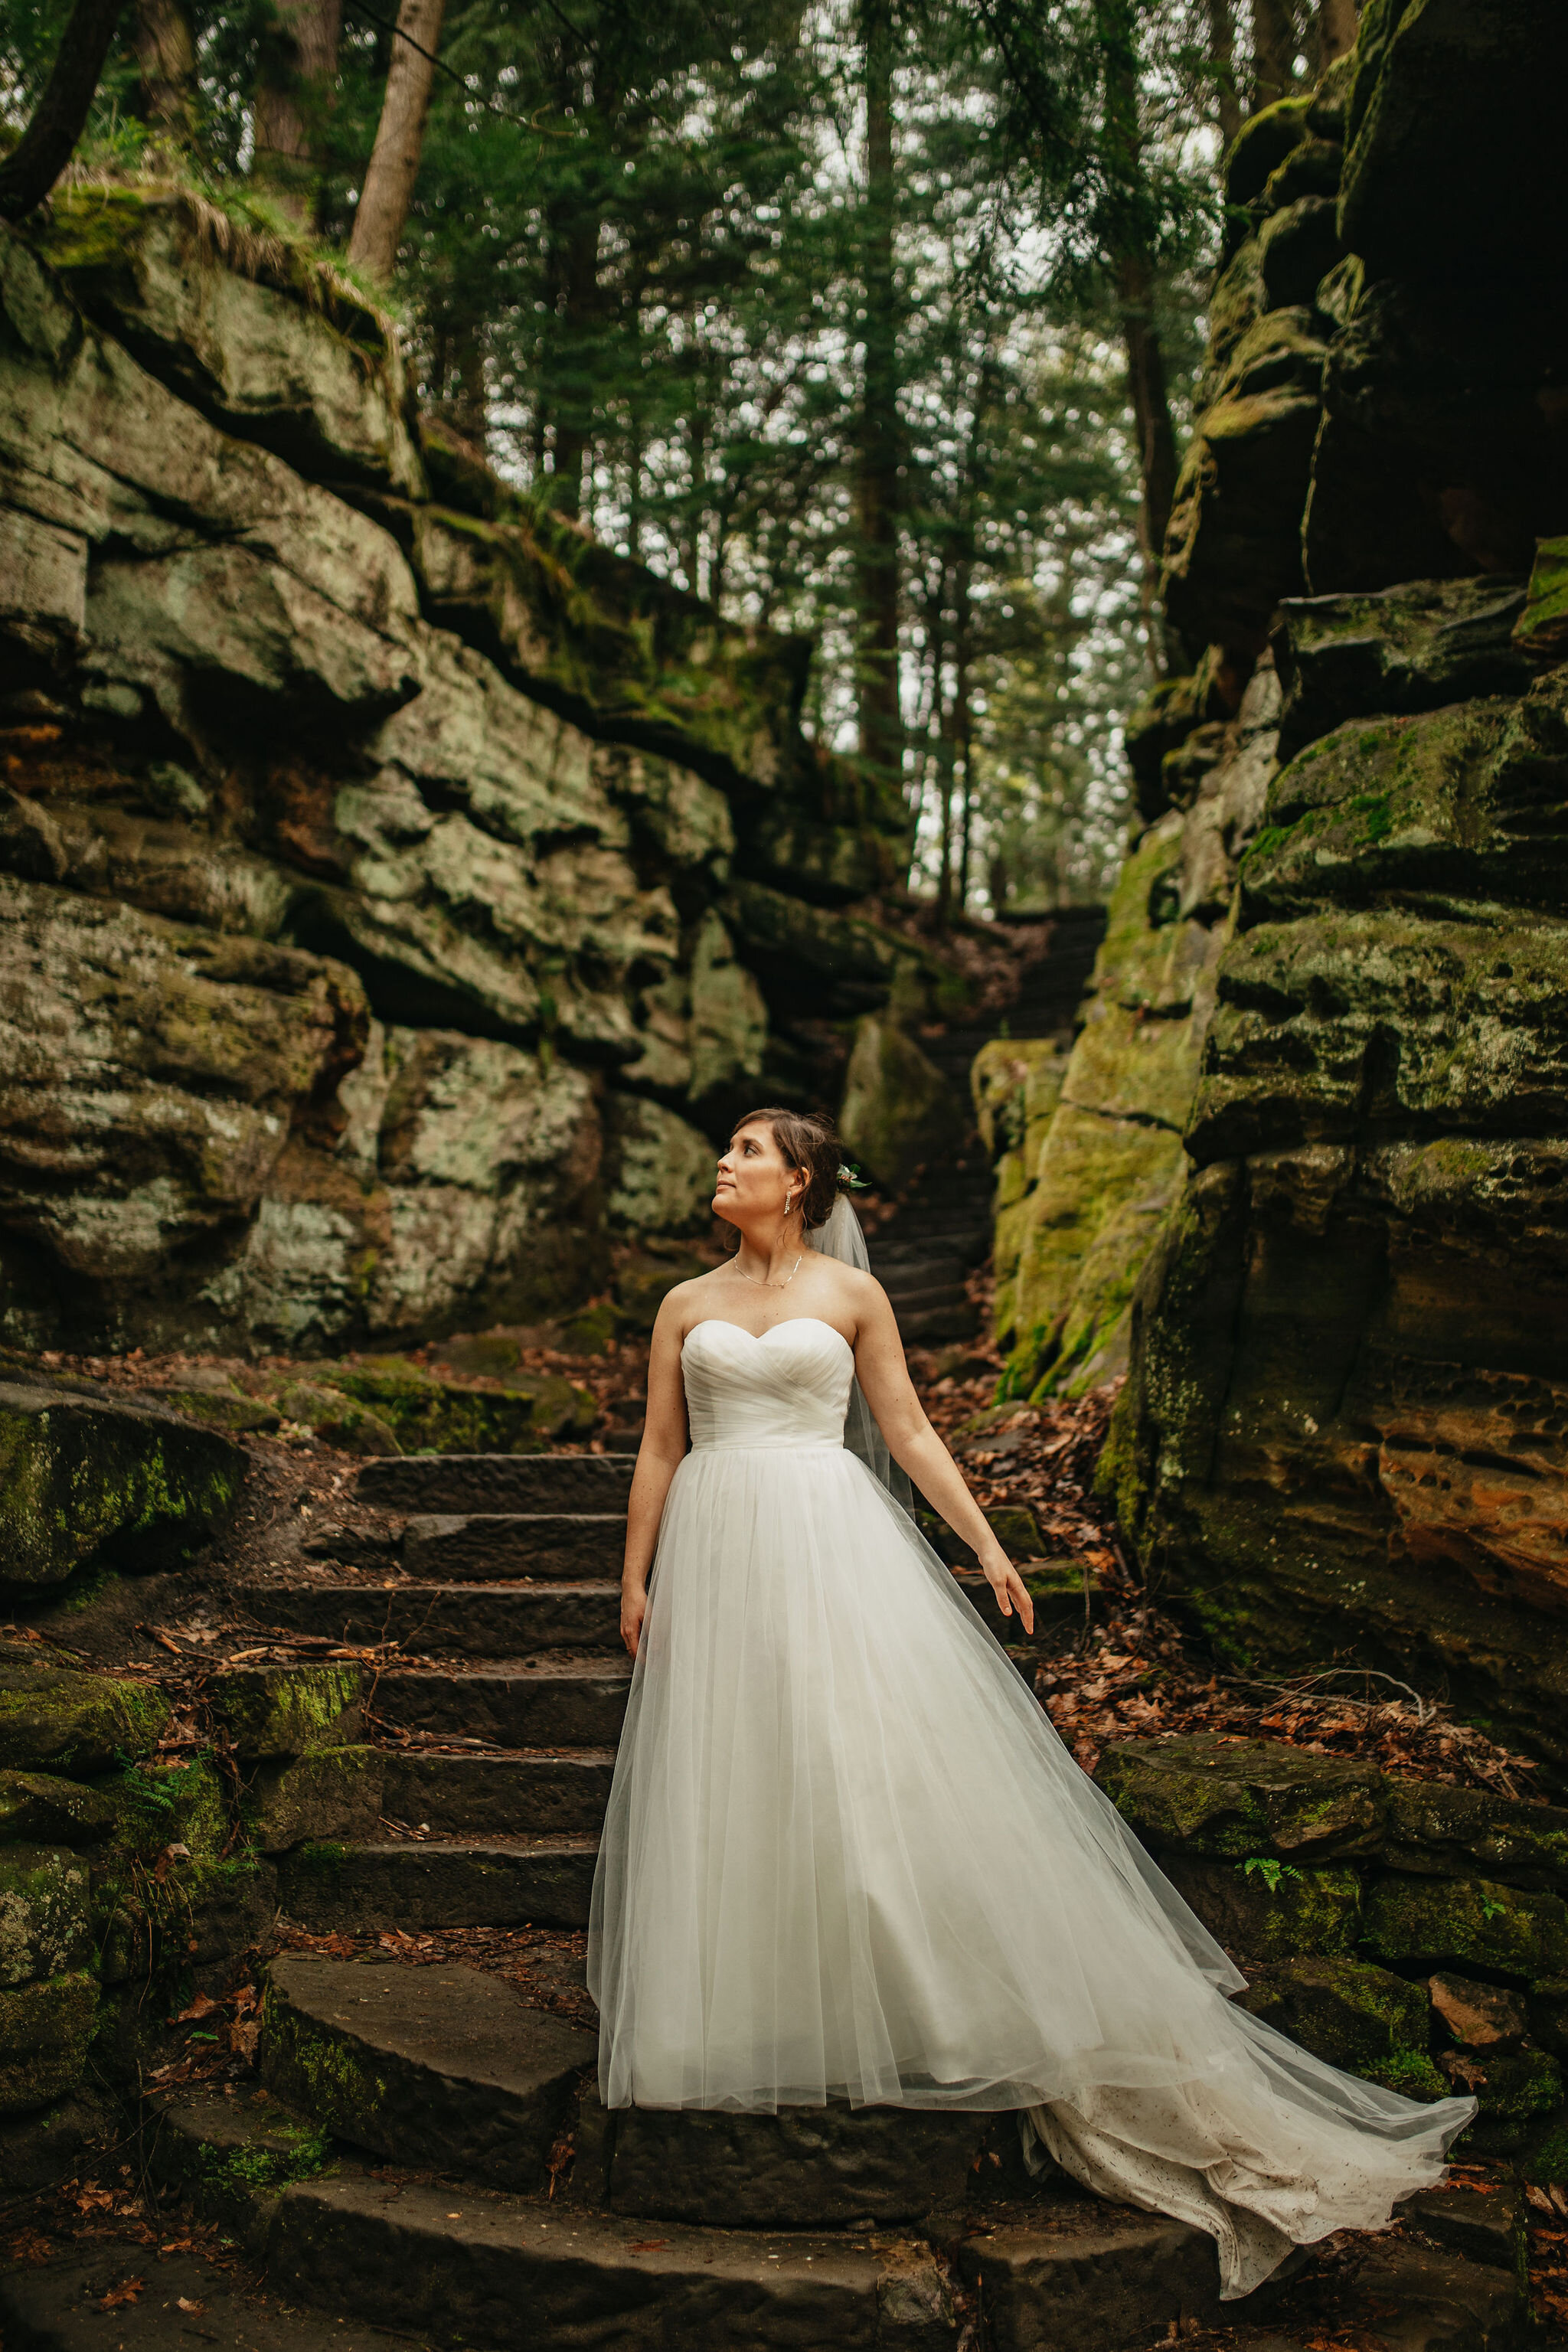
963, 718
1222, 57
1336, 28
1129, 217
45, 148
293, 90
1147, 389
463, 401
166, 53
1273, 51
878, 491
400, 136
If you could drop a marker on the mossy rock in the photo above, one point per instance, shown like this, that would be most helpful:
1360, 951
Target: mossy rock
44, 2033
590, 1333
643, 1284
336, 1419
53, 1715
1515, 2088
1234, 1799
429, 1415
42, 1809
85, 1480
220, 1409
1458, 1832
44, 1929
1362, 2018
1471, 1922
899, 1109
1297, 249
1541, 629
270, 1712
1392, 653
1015, 1084
158, 1805
1264, 1910
332, 1792
232, 2159
1261, 145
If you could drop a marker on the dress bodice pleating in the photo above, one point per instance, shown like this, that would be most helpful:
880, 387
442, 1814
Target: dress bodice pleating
789, 1388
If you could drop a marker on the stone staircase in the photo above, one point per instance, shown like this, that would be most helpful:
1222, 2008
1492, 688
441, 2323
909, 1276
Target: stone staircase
926, 1252
425, 2153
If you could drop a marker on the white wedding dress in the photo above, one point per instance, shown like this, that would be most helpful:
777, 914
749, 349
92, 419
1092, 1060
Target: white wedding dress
846, 1856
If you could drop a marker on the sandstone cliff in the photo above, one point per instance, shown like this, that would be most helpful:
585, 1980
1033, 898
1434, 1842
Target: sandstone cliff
1317, 1118
398, 889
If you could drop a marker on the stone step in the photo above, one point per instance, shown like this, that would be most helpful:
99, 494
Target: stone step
540, 1795
471, 2266
452, 1548
552, 1704
515, 1882
474, 2266
475, 1621
928, 1300
424, 1483
934, 1326
185, 2304
445, 2066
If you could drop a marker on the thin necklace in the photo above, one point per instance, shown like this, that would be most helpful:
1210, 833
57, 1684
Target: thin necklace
761, 1281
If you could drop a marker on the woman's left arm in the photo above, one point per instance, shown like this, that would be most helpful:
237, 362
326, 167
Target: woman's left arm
915, 1446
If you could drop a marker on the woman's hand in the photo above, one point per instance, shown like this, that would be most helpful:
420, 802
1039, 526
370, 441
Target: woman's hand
1009, 1587
634, 1608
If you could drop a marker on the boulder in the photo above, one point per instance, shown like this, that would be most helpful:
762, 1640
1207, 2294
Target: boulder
329, 1792
1442, 452
214, 310
54, 1718
86, 1481
1232, 1798
41, 1809
659, 1171
1233, 548
271, 1712
1362, 2018
1261, 1909
899, 1110
44, 1929
335, 1418
1541, 629
45, 2031
1468, 1923
1404, 649
1453, 123
1297, 246
1478, 2016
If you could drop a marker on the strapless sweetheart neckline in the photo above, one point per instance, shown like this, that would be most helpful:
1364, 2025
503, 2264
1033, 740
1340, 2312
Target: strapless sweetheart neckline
783, 1325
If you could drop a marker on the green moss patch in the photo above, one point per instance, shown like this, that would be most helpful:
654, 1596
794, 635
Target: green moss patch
1244, 1799
1469, 1923
84, 1480
281, 1711
55, 1717
44, 2033
1358, 2017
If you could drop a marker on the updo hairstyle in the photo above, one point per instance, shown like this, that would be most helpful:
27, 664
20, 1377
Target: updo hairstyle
806, 1141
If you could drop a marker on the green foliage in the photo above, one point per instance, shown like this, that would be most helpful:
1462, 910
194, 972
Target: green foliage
1266, 1867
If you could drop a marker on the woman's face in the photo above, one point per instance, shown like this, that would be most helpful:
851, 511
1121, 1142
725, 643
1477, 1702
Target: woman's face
754, 1178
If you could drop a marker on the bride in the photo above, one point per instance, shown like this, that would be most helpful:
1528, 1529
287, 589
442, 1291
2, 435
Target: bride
846, 1855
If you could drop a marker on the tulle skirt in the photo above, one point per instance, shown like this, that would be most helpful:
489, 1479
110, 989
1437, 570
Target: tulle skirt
847, 1857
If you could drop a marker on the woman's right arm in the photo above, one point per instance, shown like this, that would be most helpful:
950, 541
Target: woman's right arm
660, 1454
